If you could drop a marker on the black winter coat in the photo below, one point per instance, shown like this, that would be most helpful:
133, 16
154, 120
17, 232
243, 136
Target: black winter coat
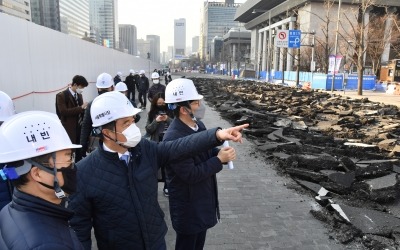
33, 223
143, 83
119, 201
192, 184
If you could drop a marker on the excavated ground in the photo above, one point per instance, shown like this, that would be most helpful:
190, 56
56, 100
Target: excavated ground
344, 152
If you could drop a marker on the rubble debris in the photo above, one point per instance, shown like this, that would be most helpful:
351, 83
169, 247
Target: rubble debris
347, 147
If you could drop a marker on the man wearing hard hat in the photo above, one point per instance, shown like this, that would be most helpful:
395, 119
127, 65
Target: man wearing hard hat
104, 84
6, 110
192, 181
37, 154
117, 183
156, 88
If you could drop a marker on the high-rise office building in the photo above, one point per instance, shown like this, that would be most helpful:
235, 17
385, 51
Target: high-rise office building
69, 17
154, 47
18, 8
143, 48
218, 19
128, 38
179, 38
195, 44
104, 22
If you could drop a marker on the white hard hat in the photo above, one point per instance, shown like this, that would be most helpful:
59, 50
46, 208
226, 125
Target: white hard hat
104, 81
180, 90
141, 72
131, 71
121, 86
6, 106
111, 106
155, 75
30, 134
119, 73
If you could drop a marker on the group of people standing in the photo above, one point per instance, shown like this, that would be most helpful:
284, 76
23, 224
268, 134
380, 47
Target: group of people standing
56, 202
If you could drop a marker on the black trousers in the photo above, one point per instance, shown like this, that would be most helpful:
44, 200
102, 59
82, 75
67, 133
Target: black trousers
143, 98
190, 241
131, 95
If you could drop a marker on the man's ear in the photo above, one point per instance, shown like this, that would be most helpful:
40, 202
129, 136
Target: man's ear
107, 134
35, 174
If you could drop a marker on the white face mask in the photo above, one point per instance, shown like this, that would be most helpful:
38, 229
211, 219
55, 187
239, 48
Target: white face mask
79, 91
132, 135
156, 81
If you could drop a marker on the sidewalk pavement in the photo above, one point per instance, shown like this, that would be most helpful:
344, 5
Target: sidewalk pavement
258, 210
373, 96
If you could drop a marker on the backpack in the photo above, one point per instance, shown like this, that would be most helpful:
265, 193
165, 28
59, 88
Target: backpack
65, 98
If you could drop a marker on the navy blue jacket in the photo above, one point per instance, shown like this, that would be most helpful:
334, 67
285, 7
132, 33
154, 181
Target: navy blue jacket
192, 184
33, 223
120, 201
5, 193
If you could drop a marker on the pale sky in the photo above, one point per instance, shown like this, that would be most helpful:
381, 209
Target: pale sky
156, 17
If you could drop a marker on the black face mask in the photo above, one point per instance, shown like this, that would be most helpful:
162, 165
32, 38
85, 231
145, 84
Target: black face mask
162, 107
102, 91
69, 176
70, 182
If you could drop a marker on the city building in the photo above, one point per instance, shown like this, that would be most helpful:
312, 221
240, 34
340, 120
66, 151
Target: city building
18, 8
195, 44
128, 38
264, 18
179, 38
104, 22
69, 17
218, 19
154, 47
143, 47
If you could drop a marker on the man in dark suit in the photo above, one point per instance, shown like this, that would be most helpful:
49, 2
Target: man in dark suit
71, 108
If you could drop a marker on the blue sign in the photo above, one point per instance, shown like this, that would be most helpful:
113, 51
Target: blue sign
294, 39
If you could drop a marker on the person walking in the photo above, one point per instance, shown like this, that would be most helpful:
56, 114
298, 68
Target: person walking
71, 108
118, 77
37, 154
158, 120
157, 86
131, 83
192, 182
117, 183
143, 83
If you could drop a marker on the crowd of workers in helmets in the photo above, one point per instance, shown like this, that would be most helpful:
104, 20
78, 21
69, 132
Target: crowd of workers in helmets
56, 202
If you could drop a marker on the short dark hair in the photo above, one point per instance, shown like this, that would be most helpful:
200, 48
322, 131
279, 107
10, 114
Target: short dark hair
23, 179
179, 105
80, 80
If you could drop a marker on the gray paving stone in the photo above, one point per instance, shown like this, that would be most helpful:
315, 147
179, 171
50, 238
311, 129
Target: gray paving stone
257, 210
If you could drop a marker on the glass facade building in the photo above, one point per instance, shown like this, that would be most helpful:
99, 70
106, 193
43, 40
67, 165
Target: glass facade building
18, 8
218, 19
69, 17
179, 37
104, 22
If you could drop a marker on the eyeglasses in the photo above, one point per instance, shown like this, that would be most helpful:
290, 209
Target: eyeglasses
195, 102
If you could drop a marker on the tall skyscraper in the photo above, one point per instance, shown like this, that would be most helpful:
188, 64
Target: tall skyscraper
179, 37
195, 44
21, 9
143, 48
154, 47
128, 38
103, 22
69, 17
218, 19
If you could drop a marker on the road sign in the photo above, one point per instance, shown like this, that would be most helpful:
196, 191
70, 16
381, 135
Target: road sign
288, 39
294, 39
281, 39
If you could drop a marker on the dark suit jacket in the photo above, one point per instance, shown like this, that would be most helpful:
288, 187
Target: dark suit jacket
71, 114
